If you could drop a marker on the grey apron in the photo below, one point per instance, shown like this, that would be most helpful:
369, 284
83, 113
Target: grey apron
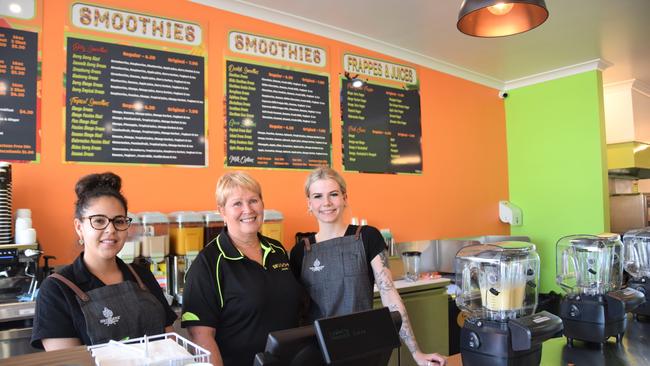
335, 274
123, 310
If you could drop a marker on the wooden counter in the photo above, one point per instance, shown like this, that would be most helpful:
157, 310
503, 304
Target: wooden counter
77, 356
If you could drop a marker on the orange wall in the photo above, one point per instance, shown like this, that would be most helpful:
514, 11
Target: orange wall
463, 146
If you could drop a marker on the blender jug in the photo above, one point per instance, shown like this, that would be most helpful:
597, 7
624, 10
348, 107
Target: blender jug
637, 252
498, 282
589, 264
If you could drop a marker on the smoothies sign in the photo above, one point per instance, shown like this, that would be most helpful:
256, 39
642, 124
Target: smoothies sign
251, 44
276, 117
127, 104
137, 25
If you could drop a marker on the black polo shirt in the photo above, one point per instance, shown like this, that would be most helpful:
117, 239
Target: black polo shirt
58, 314
240, 298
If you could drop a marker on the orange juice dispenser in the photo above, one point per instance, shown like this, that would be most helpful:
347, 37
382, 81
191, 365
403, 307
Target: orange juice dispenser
133, 244
273, 227
155, 245
186, 232
213, 225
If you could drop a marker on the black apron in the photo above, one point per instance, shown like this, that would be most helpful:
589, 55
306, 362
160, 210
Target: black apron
335, 274
121, 311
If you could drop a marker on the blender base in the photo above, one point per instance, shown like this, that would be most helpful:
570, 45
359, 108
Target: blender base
486, 342
642, 285
592, 318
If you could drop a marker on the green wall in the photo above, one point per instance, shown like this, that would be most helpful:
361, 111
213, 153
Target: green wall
557, 162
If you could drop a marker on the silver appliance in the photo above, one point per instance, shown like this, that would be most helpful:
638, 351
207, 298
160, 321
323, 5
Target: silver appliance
628, 211
18, 282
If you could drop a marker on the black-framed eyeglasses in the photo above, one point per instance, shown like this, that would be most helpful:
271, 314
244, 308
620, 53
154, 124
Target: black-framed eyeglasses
100, 222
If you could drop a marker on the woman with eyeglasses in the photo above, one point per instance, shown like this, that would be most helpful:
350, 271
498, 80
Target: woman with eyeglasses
99, 298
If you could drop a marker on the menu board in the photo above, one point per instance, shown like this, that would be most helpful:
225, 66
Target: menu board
18, 75
276, 118
133, 105
381, 129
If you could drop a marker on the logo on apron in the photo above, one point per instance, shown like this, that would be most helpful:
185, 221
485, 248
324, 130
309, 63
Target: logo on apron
316, 267
109, 318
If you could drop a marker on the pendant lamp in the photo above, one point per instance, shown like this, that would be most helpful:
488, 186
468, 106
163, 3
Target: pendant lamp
498, 18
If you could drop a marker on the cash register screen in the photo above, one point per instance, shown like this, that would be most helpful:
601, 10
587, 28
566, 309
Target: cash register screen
364, 338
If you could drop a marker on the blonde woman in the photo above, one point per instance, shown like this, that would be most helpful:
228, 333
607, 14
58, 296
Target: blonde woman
340, 263
240, 287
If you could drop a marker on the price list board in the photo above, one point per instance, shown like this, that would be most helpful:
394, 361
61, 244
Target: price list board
18, 97
133, 105
276, 118
381, 129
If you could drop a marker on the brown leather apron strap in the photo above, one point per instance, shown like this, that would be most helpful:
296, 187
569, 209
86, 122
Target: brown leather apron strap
80, 294
358, 232
307, 244
137, 278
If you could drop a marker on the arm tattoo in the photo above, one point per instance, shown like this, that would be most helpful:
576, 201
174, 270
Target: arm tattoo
383, 277
391, 299
384, 259
406, 333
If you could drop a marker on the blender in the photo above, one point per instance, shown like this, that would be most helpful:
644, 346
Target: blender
590, 270
497, 291
636, 246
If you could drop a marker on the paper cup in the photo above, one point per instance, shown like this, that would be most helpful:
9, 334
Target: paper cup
26, 236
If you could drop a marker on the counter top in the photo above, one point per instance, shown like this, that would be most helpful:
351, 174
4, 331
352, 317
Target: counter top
634, 350
423, 284
17, 310
76, 356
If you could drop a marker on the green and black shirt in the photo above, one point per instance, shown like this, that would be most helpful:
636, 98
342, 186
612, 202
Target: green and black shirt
240, 298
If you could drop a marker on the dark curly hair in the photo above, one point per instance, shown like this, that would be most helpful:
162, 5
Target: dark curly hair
94, 186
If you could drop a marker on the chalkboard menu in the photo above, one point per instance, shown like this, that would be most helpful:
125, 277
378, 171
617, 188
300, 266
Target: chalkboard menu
18, 74
276, 118
133, 105
381, 129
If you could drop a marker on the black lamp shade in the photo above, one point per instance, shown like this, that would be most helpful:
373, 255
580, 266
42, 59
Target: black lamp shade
476, 19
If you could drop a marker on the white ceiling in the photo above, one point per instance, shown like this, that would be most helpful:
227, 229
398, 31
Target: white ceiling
424, 32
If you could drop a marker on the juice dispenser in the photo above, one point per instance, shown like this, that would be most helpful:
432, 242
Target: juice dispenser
186, 240
213, 222
498, 293
272, 226
590, 270
637, 264
133, 244
155, 245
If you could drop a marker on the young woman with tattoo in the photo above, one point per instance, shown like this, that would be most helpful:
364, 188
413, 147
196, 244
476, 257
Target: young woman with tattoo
339, 264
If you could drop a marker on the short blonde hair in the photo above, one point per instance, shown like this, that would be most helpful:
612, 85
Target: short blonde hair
233, 180
325, 172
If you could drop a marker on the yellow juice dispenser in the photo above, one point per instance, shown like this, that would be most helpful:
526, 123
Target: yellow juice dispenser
186, 234
213, 222
133, 244
155, 245
273, 226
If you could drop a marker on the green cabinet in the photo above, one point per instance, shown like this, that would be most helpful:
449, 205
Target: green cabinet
427, 310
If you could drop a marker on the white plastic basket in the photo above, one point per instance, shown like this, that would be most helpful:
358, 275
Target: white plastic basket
130, 352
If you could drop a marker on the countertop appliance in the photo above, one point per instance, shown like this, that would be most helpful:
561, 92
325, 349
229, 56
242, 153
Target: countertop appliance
628, 211
497, 290
590, 270
18, 281
636, 245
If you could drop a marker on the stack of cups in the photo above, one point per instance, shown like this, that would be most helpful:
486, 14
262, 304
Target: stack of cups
25, 234
5, 203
